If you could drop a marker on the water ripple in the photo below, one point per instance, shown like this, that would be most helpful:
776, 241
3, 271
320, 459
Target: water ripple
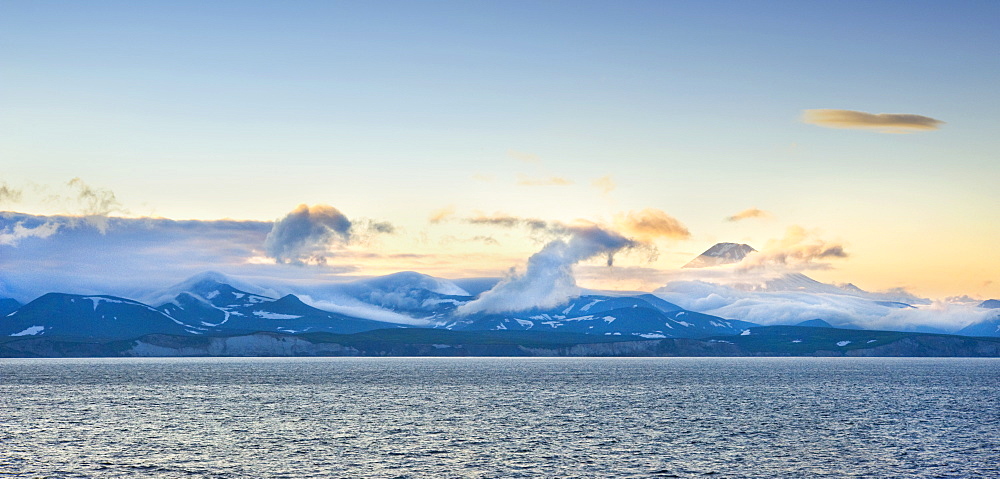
499, 418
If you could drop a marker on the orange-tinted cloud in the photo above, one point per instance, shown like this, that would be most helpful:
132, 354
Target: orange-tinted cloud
884, 122
749, 213
605, 183
442, 214
650, 224
525, 157
799, 249
525, 180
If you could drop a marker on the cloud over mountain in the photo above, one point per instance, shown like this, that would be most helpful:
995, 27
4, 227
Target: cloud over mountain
40, 254
306, 234
843, 308
309, 234
548, 277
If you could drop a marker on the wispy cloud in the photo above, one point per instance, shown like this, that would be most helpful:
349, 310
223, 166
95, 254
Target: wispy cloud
525, 157
749, 213
87, 203
884, 122
800, 249
485, 240
442, 214
9, 193
604, 184
507, 221
486, 178
651, 224
95, 201
642, 226
525, 180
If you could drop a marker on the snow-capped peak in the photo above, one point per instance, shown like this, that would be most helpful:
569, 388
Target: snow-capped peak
721, 253
211, 286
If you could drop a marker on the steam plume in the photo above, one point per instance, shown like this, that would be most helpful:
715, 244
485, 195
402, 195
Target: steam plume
548, 279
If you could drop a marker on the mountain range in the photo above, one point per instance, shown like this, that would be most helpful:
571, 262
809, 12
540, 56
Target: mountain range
208, 305
212, 305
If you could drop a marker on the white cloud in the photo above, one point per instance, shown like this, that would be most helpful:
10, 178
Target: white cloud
548, 278
791, 307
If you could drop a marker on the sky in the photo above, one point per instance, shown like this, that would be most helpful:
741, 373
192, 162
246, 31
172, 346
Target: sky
142, 142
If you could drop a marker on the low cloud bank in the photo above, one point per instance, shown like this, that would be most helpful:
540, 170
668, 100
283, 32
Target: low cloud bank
14, 233
41, 254
79, 201
357, 309
769, 287
842, 310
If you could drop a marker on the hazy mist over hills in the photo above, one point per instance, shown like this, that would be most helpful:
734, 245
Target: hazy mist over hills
720, 299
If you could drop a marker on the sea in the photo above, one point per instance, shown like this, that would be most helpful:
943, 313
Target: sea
499, 417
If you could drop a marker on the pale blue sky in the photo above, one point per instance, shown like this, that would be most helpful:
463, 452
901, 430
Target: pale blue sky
390, 110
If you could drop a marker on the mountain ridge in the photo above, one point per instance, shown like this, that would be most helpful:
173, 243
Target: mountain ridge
761, 341
206, 304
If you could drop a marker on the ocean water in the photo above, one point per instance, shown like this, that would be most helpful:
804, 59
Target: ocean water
499, 417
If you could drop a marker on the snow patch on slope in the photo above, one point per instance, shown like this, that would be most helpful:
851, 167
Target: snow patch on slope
30, 331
